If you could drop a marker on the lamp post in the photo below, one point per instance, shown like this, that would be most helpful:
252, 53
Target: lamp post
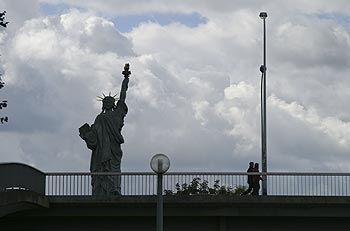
160, 163
263, 16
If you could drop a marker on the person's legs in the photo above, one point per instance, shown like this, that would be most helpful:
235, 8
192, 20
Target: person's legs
250, 188
255, 192
256, 188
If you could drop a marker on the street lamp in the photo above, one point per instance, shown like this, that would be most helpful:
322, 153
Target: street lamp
263, 16
160, 163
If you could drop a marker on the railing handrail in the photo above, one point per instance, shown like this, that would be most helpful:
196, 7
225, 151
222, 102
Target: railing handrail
201, 173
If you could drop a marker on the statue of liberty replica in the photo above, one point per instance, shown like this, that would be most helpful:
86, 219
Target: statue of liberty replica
104, 139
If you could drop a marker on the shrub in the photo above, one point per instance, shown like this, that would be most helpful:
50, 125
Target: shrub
196, 187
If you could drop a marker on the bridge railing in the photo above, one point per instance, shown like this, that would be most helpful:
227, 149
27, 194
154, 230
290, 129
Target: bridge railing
144, 183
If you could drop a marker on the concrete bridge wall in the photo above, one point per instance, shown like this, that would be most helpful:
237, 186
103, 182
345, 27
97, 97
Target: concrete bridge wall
181, 213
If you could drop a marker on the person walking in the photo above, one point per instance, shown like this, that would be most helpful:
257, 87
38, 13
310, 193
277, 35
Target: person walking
250, 179
256, 180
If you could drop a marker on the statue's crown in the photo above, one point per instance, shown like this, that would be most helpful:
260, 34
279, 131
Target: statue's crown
107, 98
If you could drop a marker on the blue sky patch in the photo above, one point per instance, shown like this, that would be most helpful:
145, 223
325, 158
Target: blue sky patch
53, 9
342, 19
125, 23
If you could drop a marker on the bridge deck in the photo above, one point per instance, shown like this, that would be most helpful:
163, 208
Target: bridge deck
199, 212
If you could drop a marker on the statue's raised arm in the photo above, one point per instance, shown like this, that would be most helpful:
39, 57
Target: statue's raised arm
126, 74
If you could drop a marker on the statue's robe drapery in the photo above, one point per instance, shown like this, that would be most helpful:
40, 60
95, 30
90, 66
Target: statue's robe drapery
104, 139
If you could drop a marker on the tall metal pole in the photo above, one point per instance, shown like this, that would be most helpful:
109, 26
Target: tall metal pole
160, 202
160, 163
263, 16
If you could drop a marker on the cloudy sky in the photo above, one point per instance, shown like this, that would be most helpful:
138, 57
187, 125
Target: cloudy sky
194, 93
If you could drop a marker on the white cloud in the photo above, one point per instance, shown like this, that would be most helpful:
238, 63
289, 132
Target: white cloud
312, 42
207, 7
334, 128
194, 92
55, 76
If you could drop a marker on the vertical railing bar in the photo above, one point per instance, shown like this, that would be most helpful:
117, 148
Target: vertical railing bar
56, 185
331, 186
346, 185
51, 186
141, 184
297, 187
325, 186
128, 191
132, 185
125, 184
133, 190
59, 185
139, 181
302, 188
315, 191
128, 184
84, 185
284, 185
149, 185
321, 180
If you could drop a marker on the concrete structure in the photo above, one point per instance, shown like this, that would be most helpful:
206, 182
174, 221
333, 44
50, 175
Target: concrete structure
33, 211
21, 176
25, 206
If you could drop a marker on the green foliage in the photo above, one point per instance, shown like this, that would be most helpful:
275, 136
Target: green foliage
3, 103
196, 187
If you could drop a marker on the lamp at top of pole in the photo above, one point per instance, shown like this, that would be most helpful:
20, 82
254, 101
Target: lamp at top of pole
263, 15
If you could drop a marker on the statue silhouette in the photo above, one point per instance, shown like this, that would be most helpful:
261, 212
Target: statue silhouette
104, 138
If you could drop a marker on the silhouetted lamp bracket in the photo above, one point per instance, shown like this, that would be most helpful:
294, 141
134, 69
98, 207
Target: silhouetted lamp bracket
160, 163
263, 15
263, 69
